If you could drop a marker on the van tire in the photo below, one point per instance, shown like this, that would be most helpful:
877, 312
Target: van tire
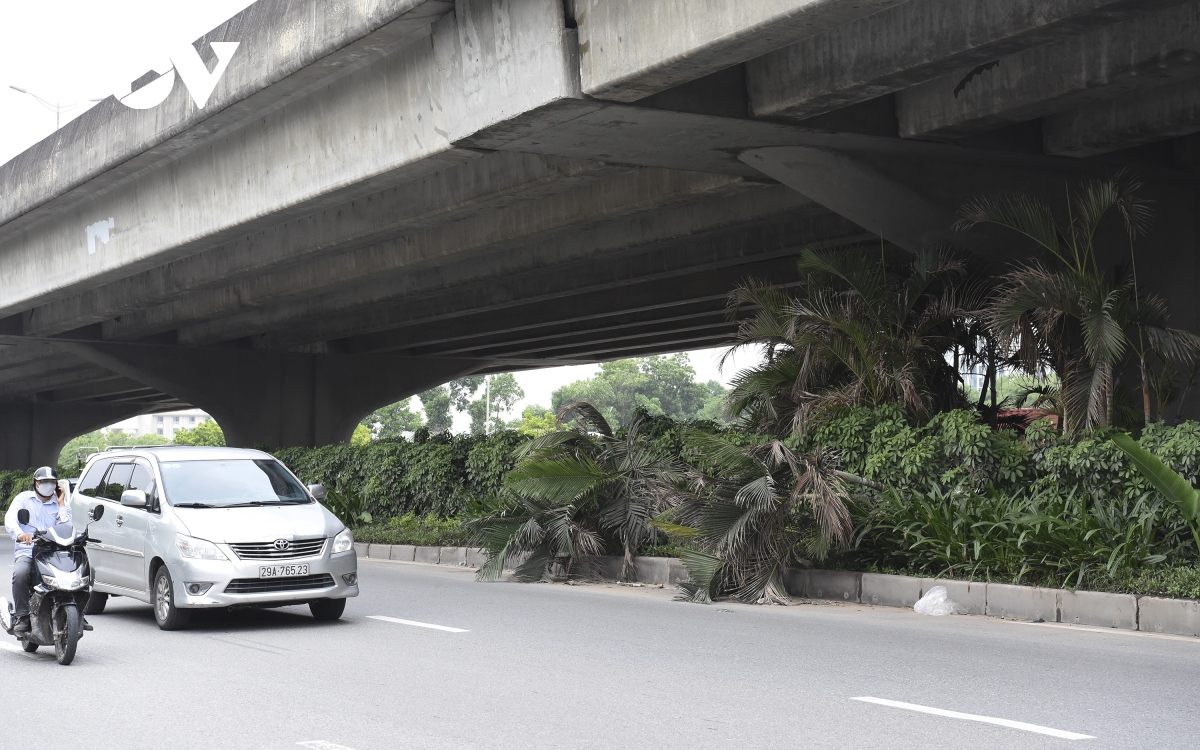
166, 614
327, 609
96, 603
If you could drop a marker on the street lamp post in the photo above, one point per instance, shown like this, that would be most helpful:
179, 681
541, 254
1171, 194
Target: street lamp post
56, 106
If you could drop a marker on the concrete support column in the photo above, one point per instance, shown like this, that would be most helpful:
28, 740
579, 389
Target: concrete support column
32, 434
277, 399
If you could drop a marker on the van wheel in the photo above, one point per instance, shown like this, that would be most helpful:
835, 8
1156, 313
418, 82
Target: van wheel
168, 616
96, 603
327, 609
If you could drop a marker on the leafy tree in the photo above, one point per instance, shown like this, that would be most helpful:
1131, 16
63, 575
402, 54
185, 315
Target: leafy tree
749, 518
535, 421
362, 435
207, 432
858, 331
663, 385
394, 420
504, 393
75, 452
436, 403
1069, 314
574, 492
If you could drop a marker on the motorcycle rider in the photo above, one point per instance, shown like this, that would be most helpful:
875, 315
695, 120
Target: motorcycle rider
48, 503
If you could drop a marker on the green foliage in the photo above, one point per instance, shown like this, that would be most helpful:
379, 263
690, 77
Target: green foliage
75, 452
361, 436
207, 432
348, 505
574, 494
535, 421
427, 531
436, 404
392, 421
441, 474
656, 385
1173, 486
12, 482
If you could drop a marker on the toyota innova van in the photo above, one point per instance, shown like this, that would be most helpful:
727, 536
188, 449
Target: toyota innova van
188, 528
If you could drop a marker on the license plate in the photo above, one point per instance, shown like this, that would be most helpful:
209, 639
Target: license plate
282, 571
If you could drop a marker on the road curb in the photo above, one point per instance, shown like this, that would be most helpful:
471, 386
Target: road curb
1118, 611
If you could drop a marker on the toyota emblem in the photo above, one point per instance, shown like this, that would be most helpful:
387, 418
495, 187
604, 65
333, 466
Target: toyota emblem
282, 544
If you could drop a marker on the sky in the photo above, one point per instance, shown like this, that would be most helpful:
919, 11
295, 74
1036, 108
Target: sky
71, 52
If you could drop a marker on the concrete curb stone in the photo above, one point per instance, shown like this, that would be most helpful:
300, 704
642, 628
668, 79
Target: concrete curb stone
890, 591
676, 572
476, 558
842, 585
403, 552
795, 582
428, 555
1178, 616
1022, 602
653, 569
361, 549
380, 551
452, 556
1097, 608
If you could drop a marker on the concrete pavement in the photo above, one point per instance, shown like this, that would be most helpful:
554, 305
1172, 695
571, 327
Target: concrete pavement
603, 666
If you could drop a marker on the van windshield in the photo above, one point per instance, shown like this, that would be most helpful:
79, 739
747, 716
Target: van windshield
230, 483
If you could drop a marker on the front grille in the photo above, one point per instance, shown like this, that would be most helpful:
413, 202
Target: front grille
267, 551
272, 585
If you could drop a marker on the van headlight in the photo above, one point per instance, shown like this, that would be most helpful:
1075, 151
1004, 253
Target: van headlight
198, 549
343, 542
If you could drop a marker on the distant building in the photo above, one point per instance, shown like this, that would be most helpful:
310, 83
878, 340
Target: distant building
163, 424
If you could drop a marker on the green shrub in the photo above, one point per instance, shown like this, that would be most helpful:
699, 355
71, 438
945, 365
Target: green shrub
429, 531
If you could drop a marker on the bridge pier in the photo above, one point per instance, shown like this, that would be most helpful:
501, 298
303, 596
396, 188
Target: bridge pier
32, 434
277, 399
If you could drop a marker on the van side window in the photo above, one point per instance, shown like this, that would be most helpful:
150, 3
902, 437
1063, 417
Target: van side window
143, 479
114, 484
91, 480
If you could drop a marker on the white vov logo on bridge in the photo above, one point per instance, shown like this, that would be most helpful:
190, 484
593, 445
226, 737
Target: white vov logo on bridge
185, 61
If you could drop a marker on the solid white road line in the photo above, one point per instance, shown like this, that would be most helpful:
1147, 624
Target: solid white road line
416, 624
322, 745
1061, 734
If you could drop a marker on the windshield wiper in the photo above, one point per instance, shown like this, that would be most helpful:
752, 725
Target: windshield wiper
194, 505
266, 503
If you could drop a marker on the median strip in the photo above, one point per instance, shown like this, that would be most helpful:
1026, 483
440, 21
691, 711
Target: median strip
416, 624
1038, 729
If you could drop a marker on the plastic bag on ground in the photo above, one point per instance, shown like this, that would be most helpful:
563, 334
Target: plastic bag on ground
937, 602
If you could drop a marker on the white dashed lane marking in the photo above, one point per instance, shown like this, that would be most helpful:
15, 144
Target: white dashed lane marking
322, 745
416, 624
1060, 733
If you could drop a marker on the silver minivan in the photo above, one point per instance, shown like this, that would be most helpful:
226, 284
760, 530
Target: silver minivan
188, 528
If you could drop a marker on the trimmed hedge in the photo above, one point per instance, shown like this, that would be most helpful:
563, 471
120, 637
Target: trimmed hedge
440, 475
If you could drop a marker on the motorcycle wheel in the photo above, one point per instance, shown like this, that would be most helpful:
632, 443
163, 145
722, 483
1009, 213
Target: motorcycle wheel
96, 603
68, 634
29, 647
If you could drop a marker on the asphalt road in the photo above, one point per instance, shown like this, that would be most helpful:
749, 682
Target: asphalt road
555, 666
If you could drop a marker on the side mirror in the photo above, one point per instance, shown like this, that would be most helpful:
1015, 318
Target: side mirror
317, 491
23, 517
134, 499
96, 513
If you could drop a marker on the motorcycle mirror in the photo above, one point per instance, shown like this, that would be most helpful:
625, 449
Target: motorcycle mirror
23, 517
97, 513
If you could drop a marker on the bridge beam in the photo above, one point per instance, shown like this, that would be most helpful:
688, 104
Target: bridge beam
32, 434
909, 44
277, 399
1141, 117
1145, 51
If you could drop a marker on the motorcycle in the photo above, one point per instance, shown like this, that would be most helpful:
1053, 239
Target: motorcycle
61, 594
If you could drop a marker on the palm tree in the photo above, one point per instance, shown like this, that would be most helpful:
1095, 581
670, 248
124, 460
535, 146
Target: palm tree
574, 492
857, 330
1065, 313
752, 516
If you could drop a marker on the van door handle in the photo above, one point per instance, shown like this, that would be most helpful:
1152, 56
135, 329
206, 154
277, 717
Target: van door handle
120, 520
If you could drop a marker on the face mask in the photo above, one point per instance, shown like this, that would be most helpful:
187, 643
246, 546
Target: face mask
46, 489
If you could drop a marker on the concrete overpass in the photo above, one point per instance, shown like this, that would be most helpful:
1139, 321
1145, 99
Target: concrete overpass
338, 204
